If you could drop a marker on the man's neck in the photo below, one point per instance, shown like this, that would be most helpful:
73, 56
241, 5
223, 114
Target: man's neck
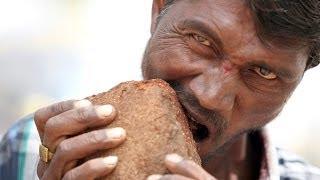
239, 161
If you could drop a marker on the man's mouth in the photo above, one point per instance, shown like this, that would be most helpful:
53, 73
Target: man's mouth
204, 134
199, 131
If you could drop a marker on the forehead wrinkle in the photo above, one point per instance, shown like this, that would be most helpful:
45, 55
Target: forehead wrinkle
225, 20
237, 30
248, 44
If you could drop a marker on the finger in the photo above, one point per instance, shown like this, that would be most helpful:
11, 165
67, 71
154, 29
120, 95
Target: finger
176, 164
75, 121
42, 166
154, 177
84, 145
92, 169
70, 165
42, 115
168, 177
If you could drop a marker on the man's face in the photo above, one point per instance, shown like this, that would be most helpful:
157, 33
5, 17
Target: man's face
226, 79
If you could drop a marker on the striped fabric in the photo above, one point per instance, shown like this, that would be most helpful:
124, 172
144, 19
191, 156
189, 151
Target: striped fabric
19, 151
293, 167
19, 157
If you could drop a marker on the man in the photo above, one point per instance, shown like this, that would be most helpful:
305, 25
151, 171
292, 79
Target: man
233, 64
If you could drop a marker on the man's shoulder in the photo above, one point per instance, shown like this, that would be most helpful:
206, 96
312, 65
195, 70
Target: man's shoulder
21, 131
19, 150
292, 166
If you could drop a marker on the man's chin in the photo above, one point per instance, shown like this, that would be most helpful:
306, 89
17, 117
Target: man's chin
216, 147
210, 147
205, 148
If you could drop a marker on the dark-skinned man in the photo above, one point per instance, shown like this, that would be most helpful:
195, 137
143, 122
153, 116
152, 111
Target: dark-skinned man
233, 64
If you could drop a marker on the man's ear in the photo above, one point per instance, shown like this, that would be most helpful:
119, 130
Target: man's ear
156, 9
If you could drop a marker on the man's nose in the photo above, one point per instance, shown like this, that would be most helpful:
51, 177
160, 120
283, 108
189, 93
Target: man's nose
216, 88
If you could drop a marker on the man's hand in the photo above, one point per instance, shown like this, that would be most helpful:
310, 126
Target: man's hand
182, 170
63, 129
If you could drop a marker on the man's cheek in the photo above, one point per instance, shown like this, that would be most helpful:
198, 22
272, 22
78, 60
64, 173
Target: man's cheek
260, 117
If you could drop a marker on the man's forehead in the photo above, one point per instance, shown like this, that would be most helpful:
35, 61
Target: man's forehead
234, 23
232, 5
227, 13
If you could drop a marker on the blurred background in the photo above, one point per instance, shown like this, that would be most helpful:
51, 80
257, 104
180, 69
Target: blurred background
53, 50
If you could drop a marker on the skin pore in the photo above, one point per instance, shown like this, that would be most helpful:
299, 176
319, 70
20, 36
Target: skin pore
225, 77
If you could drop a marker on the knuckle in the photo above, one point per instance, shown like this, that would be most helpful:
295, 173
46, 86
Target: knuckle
95, 137
82, 114
56, 108
40, 117
37, 116
63, 148
49, 126
38, 120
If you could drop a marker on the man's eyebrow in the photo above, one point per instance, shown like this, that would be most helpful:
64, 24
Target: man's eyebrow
280, 71
195, 24
202, 27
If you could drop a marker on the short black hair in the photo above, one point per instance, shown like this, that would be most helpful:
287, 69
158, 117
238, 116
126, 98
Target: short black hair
292, 23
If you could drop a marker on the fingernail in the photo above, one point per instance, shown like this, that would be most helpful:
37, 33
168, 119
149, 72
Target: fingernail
104, 110
173, 158
110, 160
115, 133
82, 103
154, 177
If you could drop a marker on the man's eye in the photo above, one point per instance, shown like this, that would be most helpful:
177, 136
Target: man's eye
265, 73
201, 40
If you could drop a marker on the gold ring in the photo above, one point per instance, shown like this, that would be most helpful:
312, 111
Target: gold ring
45, 154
